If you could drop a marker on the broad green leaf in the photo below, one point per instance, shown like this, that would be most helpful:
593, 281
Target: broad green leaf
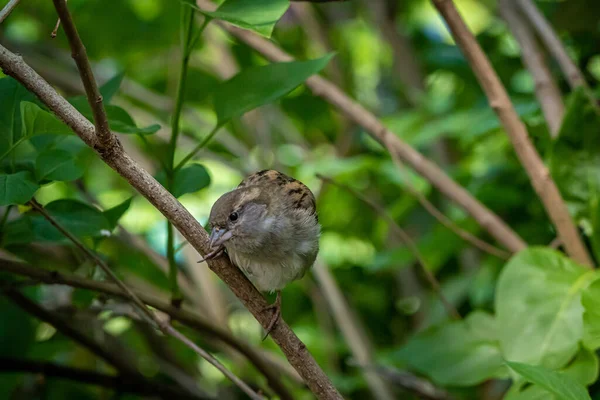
56, 165
11, 95
77, 218
188, 179
118, 119
256, 86
111, 87
563, 386
591, 316
259, 16
458, 353
36, 121
583, 369
17, 188
113, 215
538, 307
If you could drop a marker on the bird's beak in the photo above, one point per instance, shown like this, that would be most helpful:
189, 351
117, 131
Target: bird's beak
218, 237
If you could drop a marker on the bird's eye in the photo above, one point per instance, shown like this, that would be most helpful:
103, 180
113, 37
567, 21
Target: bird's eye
233, 216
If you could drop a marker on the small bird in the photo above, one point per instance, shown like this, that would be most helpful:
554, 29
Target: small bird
269, 227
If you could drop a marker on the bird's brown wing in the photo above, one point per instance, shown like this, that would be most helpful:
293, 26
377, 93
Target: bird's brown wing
300, 195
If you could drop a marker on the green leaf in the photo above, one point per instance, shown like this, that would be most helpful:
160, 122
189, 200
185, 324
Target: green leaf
36, 121
458, 353
56, 165
591, 316
188, 179
113, 215
111, 87
561, 385
538, 307
259, 16
256, 86
79, 219
17, 188
11, 95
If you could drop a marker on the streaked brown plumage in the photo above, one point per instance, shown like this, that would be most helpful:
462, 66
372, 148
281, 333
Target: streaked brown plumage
270, 229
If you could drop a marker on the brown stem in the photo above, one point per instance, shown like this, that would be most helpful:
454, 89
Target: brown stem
515, 129
361, 116
106, 138
294, 350
405, 237
164, 326
188, 318
546, 89
117, 383
553, 43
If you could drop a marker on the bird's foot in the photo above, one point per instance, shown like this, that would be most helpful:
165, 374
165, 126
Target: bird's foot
276, 307
213, 254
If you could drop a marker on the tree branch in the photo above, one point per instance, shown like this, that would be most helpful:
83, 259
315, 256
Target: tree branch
546, 89
515, 129
117, 383
106, 139
553, 43
294, 350
8, 8
360, 115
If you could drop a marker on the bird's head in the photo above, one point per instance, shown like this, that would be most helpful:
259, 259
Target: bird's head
239, 216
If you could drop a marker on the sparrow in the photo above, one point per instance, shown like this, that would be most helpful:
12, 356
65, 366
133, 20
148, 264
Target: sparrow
269, 228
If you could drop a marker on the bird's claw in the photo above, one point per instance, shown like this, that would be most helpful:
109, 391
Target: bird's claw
213, 254
276, 307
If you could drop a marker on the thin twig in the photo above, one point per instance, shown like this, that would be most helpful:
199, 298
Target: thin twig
117, 383
187, 318
546, 89
106, 139
405, 237
8, 8
553, 43
499, 100
164, 326
360, 115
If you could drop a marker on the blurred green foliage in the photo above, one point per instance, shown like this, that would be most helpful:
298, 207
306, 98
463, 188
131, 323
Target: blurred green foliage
538, 308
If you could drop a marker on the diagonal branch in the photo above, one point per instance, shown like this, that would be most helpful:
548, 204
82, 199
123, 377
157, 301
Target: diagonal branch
546, 89
106, 139
361, 116
515, 129
294, 349
8, 8
552, 42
